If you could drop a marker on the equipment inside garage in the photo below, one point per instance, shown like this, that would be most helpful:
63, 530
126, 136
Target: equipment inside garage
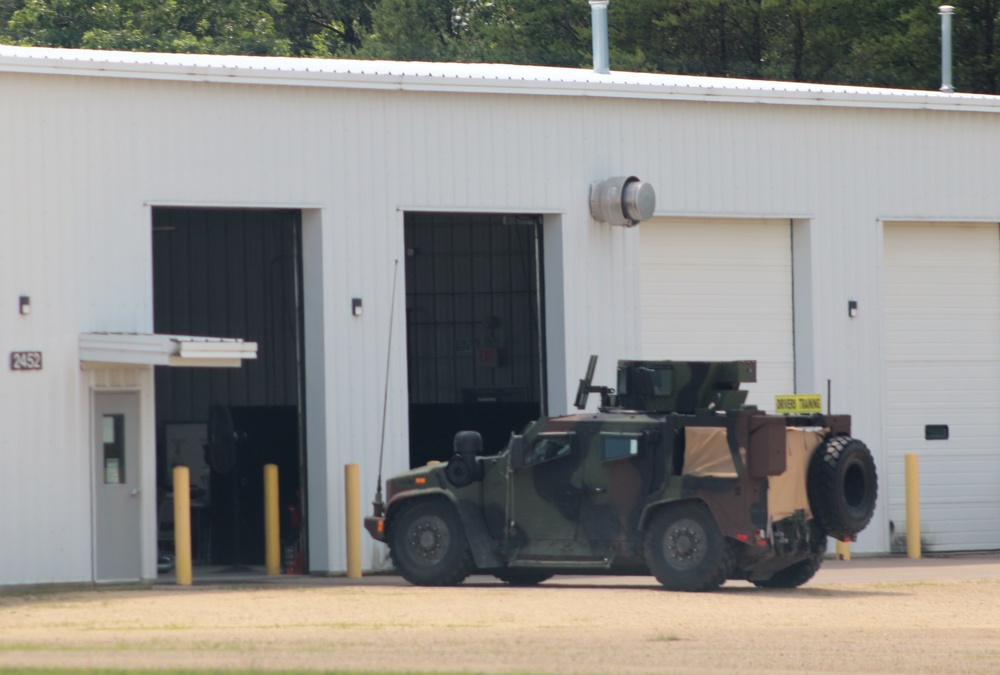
473, 324
234, 274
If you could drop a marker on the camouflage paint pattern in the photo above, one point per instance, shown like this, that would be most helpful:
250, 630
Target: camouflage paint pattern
683, 386
588, 484
584, 506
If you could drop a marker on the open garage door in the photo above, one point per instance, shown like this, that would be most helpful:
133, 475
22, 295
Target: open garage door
473, 327
231, 273
942, 323
720, 290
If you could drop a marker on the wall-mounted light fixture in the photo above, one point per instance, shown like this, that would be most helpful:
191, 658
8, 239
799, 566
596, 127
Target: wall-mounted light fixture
356, 306
24, 304
852, 308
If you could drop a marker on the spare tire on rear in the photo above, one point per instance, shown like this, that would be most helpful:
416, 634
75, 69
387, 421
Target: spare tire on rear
842, 486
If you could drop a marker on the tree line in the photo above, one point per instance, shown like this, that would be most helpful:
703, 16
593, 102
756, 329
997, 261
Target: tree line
890, 43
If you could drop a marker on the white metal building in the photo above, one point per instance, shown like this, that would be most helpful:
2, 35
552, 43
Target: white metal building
145, 197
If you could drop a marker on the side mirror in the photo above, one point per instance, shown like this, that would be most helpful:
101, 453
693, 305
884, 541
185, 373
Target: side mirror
516, 449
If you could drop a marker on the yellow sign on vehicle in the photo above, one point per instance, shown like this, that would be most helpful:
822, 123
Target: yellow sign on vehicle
798, 404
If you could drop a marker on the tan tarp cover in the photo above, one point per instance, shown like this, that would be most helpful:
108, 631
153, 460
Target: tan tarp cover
706, 453
787, 491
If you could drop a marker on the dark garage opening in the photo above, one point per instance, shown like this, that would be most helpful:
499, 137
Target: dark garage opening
473, 323
235, 274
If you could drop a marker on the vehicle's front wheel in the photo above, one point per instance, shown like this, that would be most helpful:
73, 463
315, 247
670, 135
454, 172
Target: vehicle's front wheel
427, 544
685, 549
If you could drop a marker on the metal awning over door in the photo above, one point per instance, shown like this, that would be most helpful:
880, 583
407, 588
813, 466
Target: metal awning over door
145, 349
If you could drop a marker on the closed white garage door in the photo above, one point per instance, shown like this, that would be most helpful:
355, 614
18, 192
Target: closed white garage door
720, 290
942, 320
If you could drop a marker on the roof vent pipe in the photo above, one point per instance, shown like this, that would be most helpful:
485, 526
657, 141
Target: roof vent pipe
599, 28
946, 12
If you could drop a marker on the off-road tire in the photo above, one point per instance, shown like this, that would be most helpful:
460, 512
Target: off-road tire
685, 550
427, 543
522, 577
842, 486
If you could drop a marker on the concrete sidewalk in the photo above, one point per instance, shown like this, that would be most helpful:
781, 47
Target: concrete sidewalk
860, 570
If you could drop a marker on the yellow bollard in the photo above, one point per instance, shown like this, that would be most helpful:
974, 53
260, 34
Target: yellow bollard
352, 492
182, 524
843, 550
912, 505
272, 529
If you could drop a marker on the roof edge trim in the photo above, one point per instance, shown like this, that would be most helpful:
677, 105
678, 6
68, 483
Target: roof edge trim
469, 78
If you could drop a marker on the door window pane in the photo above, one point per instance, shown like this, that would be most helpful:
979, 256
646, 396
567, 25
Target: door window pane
548, 447
617, 447
113, 436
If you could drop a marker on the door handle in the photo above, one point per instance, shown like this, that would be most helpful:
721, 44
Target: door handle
597, 491
135, 492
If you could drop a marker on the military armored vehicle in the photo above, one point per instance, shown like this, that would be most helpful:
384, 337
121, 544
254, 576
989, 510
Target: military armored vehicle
673, 476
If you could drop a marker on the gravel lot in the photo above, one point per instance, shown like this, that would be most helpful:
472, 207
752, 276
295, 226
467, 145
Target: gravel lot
863, 616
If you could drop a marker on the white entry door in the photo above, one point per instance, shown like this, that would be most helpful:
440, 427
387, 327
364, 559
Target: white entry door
117, 507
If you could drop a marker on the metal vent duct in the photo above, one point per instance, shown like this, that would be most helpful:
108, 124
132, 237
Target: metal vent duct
622, 200
599, 28
946, 12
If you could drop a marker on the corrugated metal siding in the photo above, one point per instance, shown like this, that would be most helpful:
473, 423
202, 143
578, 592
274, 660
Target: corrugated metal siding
85, 158
44, 459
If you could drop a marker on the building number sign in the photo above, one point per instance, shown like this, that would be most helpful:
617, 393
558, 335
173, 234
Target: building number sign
25, 360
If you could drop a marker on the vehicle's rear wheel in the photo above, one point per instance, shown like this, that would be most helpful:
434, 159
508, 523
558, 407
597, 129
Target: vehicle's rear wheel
842, 486
522, 577
795, 575
685, 549
427, 544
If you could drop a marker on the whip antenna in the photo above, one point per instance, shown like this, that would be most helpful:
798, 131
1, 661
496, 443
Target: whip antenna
378, 503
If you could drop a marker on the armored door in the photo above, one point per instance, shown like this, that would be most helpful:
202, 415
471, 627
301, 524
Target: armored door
545, 503
619, 471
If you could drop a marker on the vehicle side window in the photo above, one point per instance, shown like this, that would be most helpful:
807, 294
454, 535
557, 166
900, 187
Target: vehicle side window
548, 447
619, 446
